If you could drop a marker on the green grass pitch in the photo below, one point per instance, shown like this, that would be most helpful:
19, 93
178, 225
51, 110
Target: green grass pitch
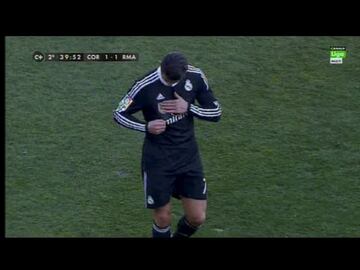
284, 161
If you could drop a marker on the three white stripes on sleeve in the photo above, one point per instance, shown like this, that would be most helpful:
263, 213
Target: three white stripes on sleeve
128, 123
205, 112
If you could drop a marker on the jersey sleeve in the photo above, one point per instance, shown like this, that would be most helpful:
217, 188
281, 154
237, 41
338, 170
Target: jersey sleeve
131, 103
209, 108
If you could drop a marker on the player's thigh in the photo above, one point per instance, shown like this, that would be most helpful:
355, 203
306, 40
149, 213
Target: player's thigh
158, 180
158, 186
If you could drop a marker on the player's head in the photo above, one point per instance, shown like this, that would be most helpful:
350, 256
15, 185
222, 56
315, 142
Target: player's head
174, 66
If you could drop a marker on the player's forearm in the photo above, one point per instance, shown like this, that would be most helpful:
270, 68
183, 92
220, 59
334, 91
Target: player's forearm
212, 114
129, 121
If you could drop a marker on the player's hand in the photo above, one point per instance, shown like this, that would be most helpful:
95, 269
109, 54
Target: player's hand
156, 126
178, 105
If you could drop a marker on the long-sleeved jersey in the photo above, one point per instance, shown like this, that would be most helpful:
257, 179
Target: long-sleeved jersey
146, 94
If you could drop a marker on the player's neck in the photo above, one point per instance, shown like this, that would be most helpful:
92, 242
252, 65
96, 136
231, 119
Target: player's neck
164, 80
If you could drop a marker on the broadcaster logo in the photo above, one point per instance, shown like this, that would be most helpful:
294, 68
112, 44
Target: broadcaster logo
337, 54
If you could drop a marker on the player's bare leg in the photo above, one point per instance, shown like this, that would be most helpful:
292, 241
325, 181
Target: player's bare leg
162, 221
195, 211
195, 215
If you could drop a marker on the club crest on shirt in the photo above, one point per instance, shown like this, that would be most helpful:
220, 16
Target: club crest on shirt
188, 85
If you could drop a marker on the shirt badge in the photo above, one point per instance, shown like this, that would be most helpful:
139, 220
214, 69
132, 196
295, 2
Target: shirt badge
188, 85
124, 103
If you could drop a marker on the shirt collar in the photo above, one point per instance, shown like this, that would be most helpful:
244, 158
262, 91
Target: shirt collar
162, 79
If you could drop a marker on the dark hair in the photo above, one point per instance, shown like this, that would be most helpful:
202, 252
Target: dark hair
174, 66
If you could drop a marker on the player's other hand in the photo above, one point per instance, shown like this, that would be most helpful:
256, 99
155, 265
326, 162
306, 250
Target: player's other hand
156, 126
178, 105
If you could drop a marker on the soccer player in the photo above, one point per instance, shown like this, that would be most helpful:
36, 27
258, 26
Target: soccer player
171, 164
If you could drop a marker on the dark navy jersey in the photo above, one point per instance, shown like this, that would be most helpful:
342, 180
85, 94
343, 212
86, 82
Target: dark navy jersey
146, 94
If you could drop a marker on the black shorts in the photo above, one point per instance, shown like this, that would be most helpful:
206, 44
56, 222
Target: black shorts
172, 171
